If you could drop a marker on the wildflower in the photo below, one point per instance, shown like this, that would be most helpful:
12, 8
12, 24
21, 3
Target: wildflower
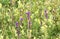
45, 13
16, 24
21, 19
29, 25
28, 15
18, 31
28, 18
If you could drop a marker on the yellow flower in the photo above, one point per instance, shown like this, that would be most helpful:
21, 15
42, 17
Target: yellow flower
0, 5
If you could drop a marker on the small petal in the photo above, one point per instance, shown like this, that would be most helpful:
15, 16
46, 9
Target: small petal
21, 19
16, 24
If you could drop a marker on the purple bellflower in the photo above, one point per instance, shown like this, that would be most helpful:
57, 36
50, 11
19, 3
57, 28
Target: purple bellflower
28, 18
16, 24
17, 29
28, 15
46, 14
29, 24
21, 19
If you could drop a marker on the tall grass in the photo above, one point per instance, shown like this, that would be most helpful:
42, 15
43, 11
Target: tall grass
29, 19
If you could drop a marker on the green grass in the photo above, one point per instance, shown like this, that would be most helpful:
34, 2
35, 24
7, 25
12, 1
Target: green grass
41, 27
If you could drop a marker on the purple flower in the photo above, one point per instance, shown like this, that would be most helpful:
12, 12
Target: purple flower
21, 19
29, 23
28, 18
28, 14
17, 29
16, 24
45, 13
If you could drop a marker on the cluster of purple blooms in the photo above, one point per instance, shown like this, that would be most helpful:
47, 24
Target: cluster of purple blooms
29, 20
17, 27
21, 19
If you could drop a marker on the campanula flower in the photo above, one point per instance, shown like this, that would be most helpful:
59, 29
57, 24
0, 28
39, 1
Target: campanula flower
28, 14
21, 19
16, 24
46, 14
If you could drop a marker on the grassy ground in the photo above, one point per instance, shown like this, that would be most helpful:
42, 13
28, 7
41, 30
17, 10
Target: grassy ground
29, 19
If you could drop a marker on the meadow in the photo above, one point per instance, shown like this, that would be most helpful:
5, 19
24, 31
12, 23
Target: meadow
29, 19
